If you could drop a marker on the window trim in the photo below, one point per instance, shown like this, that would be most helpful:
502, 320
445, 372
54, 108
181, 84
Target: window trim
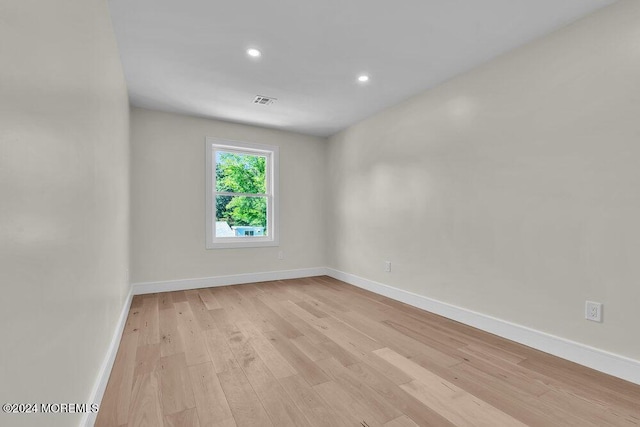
272, 181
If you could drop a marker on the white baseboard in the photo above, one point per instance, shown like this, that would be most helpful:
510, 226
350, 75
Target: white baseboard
89, 419
600, 360
236, 279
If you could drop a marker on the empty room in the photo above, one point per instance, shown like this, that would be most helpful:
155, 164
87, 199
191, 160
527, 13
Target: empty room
320, 213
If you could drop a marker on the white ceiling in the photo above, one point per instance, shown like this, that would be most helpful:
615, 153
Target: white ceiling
188, 56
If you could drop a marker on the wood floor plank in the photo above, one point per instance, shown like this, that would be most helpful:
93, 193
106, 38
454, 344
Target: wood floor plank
348, 338
395, 395
324, 296
186, 418
175, 384
133, 320
145, 407
147, 359
280, 408
209, 301
296, 358
192, 335
251, 290
403, 344
345, 406
170, 339
274, 290
356, 299
350, 302
402, 421
492, 353
311, 350
588, 412
211, 403
178, 296
317, 412
246, 303
165, 301
219, 351
355, 338
305, 328
515, 378
276, 363
228, 299
376, 405
199, 310
279, 323
386, 369
424, 334
136, 302
149, 324
343, 356
319, 352
313, 308
224, 320
497, 393
577, 378
244, 403
450, 401
225, 423
460, 408
292, 293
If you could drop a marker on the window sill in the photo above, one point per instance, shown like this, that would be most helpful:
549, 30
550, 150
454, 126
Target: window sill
253, 243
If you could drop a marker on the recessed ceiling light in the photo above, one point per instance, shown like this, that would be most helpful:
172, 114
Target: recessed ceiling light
253, 52
363, 78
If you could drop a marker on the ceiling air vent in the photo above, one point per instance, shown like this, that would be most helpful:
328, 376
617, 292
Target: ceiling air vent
263, 100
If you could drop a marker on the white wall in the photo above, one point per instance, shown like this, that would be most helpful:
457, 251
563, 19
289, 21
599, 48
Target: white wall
168, 199
513, 190
64, 199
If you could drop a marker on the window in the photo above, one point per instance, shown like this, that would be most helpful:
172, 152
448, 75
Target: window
242, 194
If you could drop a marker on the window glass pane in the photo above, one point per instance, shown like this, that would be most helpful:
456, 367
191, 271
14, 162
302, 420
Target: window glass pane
240, 173
241, 216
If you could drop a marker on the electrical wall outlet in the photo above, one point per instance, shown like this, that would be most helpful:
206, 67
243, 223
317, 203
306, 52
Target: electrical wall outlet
387, 266
280, 255
593, 311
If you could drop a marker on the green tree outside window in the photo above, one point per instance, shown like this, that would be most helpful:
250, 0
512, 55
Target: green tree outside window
241, 173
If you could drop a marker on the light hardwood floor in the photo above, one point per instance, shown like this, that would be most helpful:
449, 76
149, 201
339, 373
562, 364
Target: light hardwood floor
319, 352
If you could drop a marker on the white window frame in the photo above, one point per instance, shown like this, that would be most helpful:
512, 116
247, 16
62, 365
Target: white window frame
213, 145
